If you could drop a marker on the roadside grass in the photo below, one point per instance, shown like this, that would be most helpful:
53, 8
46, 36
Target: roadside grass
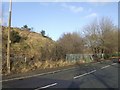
22, 67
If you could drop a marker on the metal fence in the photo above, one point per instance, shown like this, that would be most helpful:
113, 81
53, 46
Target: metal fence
15, 57
77, 57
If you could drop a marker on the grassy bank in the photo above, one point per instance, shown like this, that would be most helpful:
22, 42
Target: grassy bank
22, 67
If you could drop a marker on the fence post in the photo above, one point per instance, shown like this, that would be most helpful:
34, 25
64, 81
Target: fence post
25, 59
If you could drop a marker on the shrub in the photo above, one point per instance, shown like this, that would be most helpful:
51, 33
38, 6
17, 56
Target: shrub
15, 37
43, 33
107, 56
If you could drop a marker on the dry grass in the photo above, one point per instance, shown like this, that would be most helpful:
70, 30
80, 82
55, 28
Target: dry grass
54, 64
25, 67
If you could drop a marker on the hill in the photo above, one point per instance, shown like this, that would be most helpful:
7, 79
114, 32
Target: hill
27, 47
30, 50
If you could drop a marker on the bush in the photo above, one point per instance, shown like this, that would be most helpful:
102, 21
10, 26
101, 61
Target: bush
15, 37
107, 56
115, 54
43, 33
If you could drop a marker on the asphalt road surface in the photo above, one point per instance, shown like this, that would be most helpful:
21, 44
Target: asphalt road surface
95, 75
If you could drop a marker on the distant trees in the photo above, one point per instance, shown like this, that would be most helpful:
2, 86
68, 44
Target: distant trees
91, 36
71, 43
25, 27
45, 36
67, 44
101, 36
43, 33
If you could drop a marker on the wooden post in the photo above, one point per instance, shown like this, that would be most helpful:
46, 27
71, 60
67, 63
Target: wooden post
9, 41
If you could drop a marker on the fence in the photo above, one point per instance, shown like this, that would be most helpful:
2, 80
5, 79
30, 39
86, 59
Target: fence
85, 57
14, 58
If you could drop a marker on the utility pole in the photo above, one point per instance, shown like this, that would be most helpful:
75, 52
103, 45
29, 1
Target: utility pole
9, 41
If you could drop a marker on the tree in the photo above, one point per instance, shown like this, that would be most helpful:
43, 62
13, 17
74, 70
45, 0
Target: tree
108, 35
101, 36
26, 27
70, 43
43, 33
91, 36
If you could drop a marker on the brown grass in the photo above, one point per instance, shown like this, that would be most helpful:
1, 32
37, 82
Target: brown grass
25, 67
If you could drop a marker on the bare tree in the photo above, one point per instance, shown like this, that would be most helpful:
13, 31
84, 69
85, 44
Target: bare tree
91, 36
101, 36
70, 43
108, 35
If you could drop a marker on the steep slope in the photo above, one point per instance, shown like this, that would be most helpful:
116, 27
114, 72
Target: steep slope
27, 46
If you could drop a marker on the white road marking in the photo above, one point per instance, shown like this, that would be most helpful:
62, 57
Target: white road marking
95, 63
46, 86
56, 71
69, 68
47, 73
84, 74
25, 77
114, 64
105, 66
36, 75
29, 76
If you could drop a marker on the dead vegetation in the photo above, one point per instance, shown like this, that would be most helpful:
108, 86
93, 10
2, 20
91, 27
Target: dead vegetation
30, 50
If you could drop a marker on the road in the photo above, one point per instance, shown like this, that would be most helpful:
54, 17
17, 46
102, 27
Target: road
95, 75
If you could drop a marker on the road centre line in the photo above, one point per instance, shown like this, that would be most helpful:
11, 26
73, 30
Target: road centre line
93, 71
84, 74
105, 66
114, 64
36, 75
46, 86
96, 63
68, 69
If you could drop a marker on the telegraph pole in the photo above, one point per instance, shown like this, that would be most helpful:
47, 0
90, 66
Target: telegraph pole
9, 41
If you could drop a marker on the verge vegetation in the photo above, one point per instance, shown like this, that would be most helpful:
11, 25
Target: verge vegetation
31, 50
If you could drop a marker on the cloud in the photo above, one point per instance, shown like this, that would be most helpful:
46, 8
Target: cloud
92, 15
72, 8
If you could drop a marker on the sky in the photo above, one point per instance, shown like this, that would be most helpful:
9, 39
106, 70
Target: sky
57, 18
